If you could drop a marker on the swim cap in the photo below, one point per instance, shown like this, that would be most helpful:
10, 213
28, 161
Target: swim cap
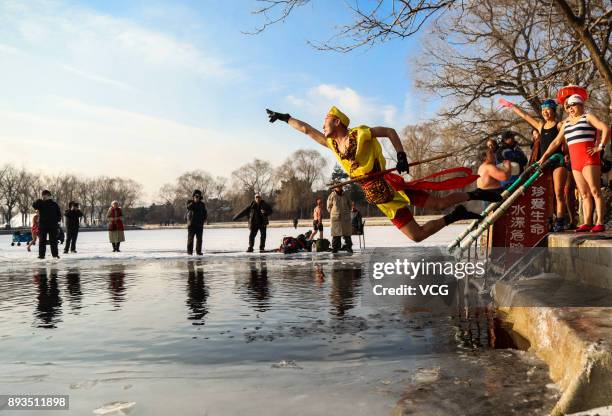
550, 103
574, 99
339, 115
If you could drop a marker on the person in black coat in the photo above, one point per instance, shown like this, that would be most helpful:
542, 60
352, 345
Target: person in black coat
73, 218
196, 216
49, 216
258, 212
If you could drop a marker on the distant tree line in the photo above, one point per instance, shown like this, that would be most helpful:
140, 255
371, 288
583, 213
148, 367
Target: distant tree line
291, 188
19, 188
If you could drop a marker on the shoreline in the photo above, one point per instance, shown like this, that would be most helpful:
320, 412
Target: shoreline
369, 221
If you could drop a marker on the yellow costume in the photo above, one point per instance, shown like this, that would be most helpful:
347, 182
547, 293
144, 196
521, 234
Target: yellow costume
363, 156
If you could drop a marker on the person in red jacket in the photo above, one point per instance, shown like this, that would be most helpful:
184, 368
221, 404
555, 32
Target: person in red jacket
115, 226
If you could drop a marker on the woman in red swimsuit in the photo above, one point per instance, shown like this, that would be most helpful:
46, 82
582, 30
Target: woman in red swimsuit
579, 131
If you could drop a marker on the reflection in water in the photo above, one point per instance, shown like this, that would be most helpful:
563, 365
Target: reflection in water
470, 331
73, 285
345, 284
257, 288
116, 281
197, 293
319, 277
49, 302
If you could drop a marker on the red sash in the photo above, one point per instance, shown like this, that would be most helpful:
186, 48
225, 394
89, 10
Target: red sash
399, 184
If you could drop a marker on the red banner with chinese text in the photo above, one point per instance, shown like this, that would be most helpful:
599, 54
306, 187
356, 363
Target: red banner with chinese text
526, 223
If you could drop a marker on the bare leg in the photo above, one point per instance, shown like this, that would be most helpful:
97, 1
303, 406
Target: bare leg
585, 194
32, 242
313, 234
418, 233
438, 203
570, 199
592, 175
559, 179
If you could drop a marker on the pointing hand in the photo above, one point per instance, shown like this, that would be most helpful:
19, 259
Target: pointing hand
273, 116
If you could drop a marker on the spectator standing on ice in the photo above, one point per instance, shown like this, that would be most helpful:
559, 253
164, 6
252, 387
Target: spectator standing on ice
116, 233
73, 219
317, 219
258, 212
339, 207
49, 217
196, 216
356, 220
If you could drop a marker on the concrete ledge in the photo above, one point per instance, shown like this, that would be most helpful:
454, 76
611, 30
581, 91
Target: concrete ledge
576, 342
572, 239
582, 257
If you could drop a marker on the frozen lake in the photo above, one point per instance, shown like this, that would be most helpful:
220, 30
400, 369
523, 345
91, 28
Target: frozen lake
224, 241
235, 334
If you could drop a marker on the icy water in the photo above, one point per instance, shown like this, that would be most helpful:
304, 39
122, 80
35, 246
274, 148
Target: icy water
235, 334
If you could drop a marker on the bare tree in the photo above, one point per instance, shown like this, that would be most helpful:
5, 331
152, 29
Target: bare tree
10, 187
254, 177
27, 194
64, 188
500, 47
167, 193
88, 195
218, 188
189, 181
591, 24
308, 165
293, 196
373, 22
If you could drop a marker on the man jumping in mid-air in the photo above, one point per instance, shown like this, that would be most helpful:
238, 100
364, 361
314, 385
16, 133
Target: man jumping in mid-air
359, 153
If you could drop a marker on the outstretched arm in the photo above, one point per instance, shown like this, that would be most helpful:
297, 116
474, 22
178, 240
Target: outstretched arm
536, 124
391, 134
299, 125
307, 129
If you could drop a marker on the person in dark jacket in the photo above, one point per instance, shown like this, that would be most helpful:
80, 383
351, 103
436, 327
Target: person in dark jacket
356, 220
258, 212
196, 216
73, 219
510, 150
49, 217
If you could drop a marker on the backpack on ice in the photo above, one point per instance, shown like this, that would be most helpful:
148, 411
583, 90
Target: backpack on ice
322, 244
306, 244
290, 245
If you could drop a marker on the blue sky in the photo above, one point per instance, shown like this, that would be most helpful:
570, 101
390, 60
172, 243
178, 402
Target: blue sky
149, 89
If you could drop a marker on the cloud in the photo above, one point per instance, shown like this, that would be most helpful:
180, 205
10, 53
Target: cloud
97, 140
95, 45
360, 109
97, 78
